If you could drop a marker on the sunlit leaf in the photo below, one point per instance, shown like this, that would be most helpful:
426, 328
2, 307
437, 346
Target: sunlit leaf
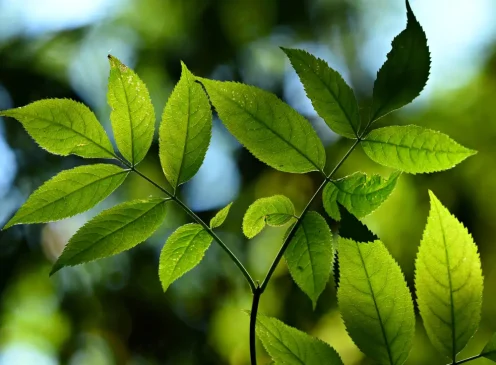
309, 255
69, 193
331, 97
220, 217
288, 346
112, 231
489, 351
183, 250
63, 127
269, 128
405, 72
276, 211
375, 302
414, 149
448, 280
358, 193
132, 116
185, 130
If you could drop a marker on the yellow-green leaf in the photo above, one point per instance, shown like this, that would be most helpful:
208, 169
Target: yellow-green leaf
375, 302
112, 231
185, 130
275, 211
132, 116
448, 281
69, 193
358, 193
63, 127
183, 250
220, 217
269, 128
309, 255
489, 351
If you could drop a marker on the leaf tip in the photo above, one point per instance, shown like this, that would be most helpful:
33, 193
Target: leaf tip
56, 267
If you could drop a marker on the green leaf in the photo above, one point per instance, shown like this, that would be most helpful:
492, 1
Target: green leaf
269, 128
183, 250
69, 193
275, 211
358, 193
63, 127
132, 116
448, 280
220, 217
405, 72
112, 231
331, 97
414, 149
489, 351
375, 302
288, 346
309, 255
185, 130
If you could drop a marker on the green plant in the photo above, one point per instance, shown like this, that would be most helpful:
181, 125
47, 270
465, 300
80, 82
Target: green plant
374, 299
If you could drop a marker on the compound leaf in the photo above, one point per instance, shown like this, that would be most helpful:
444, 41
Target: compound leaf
133, 115
269, 128
405, 72
63, 127
183, 250
112, 231
69, 193
185, 130
375, 302
414, 149
220, 217
309, 255
448, 281
358, 193
331, 97
489, 351
275, 210
288, 346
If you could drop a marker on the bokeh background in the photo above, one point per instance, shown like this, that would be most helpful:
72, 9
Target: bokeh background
113, 311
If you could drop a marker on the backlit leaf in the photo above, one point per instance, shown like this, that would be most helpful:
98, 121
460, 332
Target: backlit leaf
331, 97
358, 193
414, 149
375, 302
269, 128
112, 231
276, 211
132, 116
309, 255
448, 280
69, 193
63, 127
288, 346
489, 351
220, 217
185, 130
183, 250
405, 72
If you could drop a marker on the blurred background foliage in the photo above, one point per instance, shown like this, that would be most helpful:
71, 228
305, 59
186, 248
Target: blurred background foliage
113, 311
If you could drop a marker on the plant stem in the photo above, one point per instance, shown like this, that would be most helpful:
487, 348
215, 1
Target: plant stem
253, 321
260, 290
200, 221
468, 359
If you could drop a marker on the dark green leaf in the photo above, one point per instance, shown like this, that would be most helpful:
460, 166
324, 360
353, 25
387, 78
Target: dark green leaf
405, 72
